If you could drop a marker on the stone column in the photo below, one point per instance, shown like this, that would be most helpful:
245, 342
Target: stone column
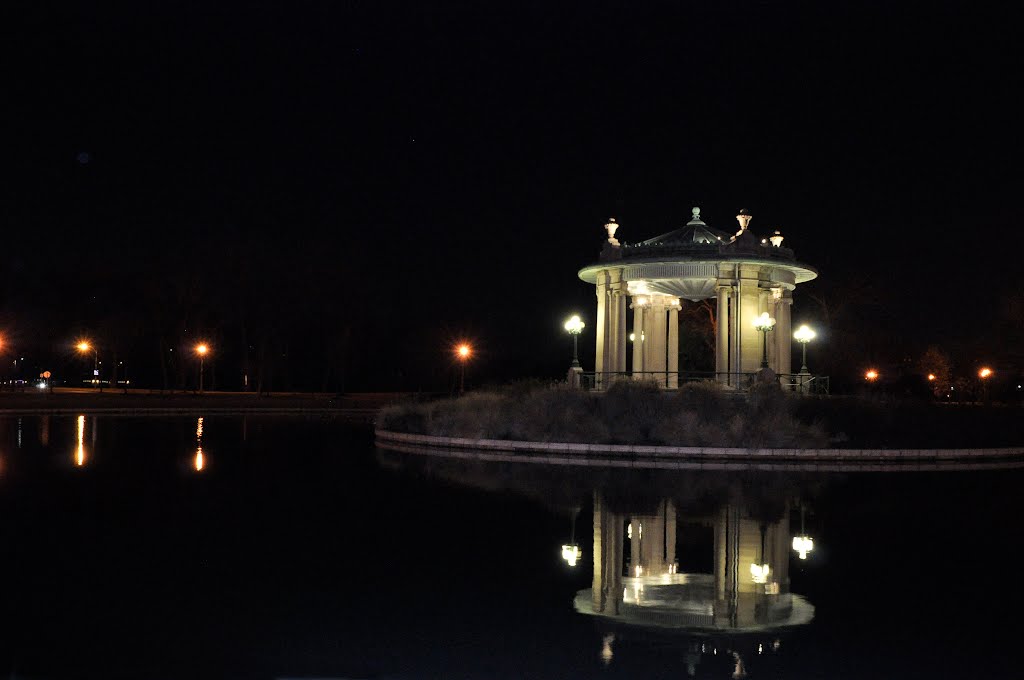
768, 305
600, 331
749, 338
620, 326
735, 309
656, 338
611, 334
652, 545
607, 584
722, 335
670, 533
673, 347
638, 345
597, 585
647, 340
635, 544
611, 337
727, 566
784, 332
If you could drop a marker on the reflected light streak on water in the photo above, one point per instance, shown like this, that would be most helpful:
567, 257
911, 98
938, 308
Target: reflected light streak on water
80, 450
199, 461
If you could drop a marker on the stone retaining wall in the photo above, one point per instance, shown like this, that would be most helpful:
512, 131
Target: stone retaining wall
682, 456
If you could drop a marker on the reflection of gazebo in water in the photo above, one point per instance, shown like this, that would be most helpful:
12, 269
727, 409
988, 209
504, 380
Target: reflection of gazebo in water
694, 547
747, 589
746, 274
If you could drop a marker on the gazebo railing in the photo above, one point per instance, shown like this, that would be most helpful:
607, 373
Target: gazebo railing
803, 383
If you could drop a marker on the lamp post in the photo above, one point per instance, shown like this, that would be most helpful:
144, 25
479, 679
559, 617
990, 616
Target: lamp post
804, 335
463, 352
985, 373
84, 346
764, 323
575, 326
201, 350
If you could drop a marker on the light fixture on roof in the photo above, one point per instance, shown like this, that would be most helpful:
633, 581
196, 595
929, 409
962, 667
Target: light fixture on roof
776, 238
611, 227
744, 218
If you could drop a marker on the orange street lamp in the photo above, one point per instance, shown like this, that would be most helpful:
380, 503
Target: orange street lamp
931, 377
463, 352
84, 346
201, 350
985, 373
871, 375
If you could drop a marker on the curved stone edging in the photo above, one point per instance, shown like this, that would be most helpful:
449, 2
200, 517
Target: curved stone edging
629, 451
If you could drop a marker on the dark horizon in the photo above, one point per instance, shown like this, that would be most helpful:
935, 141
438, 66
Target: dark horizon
349, 190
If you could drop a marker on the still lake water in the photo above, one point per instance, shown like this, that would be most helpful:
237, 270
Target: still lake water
293, 548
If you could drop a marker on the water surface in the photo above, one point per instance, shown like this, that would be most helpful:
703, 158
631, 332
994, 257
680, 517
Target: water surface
280, 547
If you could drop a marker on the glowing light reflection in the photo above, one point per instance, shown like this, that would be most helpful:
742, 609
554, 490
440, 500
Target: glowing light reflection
80, 450
803, 545
759, 573
200, 460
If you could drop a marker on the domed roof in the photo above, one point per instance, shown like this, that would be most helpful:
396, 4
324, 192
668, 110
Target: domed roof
694, 254
695, 231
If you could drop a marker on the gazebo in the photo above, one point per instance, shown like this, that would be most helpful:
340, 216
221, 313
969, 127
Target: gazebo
752, 278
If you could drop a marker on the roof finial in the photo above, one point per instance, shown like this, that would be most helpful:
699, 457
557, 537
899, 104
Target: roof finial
744, 218
695, 220
611, 227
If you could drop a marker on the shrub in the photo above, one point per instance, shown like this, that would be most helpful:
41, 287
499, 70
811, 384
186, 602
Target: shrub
699, 414
632, 409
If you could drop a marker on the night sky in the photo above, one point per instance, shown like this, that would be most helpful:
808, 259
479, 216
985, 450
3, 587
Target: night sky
339, 190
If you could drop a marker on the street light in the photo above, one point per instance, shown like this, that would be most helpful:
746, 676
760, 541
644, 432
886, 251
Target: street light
463, 352
84, 346
804, 335
871, 375
201, 350
985, 373
764, 323
575, 326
